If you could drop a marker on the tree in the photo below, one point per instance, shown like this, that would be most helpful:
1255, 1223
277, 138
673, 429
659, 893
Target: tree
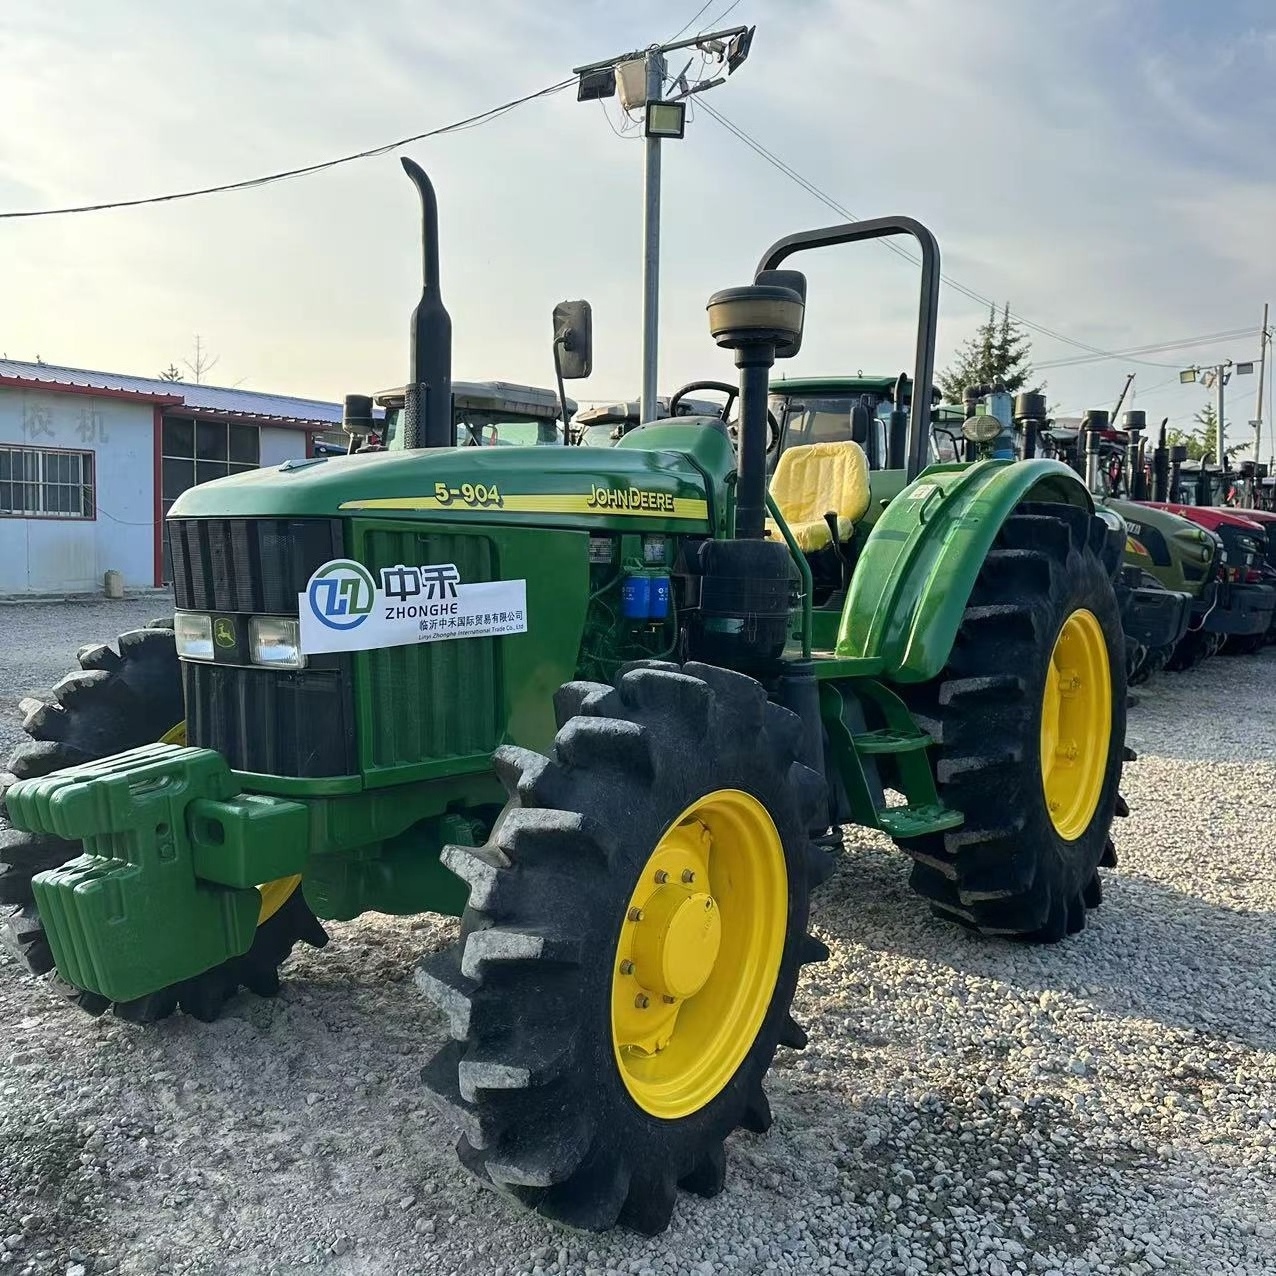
1000, 350
1206, 438
199, 365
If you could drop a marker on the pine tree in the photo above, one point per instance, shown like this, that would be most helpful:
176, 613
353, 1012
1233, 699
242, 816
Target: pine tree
1207, 419
1000, 350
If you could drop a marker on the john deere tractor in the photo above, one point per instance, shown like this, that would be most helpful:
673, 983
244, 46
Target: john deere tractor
601, 704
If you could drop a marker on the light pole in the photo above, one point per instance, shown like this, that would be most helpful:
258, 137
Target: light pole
640, 76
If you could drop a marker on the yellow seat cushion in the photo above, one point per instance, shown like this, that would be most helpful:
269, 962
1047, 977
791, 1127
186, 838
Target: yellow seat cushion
817, 479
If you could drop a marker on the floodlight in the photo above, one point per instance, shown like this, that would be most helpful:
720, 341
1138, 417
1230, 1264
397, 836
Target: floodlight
738, 49
597, 84
1187, 376
666, 119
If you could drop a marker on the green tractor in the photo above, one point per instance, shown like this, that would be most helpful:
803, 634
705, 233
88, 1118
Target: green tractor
602, 704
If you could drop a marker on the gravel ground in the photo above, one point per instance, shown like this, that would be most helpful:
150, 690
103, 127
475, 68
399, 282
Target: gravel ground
1104, 1106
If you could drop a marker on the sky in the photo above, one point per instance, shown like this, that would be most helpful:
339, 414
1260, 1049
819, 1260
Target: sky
1106, 166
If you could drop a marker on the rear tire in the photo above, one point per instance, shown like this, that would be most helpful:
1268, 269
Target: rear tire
119, 700
537, 1076
1012, 868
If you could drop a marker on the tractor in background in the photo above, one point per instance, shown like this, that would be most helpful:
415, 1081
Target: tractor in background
602, 704
1245, 601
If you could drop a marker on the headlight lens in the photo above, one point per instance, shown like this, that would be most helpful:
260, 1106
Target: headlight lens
194, 635
981, 429
275, 641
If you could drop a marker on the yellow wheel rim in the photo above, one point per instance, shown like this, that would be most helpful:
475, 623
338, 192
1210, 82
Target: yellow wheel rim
274, 895
699, 953
1076, 724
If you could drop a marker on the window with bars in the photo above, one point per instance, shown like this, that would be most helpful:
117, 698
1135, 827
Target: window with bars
197, 451
46, 483
194, 452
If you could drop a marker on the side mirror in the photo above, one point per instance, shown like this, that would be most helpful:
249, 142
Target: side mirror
794, 280
574, 339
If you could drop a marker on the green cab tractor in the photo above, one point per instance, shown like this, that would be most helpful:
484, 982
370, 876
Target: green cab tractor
603, 705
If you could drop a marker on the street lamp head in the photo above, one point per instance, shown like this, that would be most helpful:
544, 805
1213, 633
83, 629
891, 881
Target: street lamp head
596, 84
738, 49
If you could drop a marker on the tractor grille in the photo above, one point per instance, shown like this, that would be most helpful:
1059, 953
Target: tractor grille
253, 565
434, 700
270, 721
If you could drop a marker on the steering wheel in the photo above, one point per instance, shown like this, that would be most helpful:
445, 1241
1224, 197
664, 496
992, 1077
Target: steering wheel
722, 387
732, 392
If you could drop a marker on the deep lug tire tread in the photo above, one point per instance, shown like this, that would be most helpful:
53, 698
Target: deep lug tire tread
1005, 871
121, 697
528, 1077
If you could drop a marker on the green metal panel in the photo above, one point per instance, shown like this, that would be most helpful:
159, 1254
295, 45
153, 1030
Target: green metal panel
919, 563
435, 699
584, 488
442, 707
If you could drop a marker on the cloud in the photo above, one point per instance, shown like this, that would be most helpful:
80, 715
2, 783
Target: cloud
1101, 165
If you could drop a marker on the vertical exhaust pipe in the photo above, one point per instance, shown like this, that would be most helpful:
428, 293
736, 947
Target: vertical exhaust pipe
427, 410
1134, 423
1161, 465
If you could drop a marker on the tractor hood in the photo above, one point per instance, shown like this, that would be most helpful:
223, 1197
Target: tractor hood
1160, 540
543, 486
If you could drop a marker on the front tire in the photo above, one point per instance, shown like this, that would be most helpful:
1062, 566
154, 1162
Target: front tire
604, 1047
1029, 719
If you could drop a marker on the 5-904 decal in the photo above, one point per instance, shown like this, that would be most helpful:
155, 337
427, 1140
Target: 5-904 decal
623, 502
346, 608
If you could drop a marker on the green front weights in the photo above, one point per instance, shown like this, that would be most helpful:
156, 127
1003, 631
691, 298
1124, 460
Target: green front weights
173, 854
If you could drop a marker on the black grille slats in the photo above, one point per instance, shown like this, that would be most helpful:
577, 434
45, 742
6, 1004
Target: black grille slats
270, 721
256, 565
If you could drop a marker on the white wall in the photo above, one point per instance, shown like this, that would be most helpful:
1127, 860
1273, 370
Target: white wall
60, 555
278, 446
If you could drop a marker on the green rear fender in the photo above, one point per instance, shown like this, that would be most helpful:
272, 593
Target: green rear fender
919, 564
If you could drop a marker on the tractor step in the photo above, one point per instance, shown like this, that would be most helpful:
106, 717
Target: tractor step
915, 821
886, 740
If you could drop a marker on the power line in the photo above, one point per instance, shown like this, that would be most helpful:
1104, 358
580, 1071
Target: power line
472, 121
688, 25
776, 162
1205, 339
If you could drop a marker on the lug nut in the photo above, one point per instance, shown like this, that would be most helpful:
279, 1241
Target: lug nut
670, 1000
661, 876
642, 1001
635, 914
688, 876
626, 967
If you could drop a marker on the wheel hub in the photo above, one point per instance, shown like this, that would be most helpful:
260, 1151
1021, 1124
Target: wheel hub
698, 953
1076, 724
677, 942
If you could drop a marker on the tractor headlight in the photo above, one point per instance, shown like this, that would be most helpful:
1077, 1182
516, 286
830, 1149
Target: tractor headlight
193, 634
981, 429
275, 641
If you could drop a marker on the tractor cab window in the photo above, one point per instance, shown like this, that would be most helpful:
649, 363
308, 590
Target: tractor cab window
500, 429
827, 419
391, 433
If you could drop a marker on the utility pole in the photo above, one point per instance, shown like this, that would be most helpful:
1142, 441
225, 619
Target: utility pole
1262, 376
640, 76
651, 245
1220, 380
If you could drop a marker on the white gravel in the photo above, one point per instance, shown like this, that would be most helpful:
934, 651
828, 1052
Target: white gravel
1104, 1106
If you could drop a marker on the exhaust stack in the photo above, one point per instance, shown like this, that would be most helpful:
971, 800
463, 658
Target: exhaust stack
1161, 465
427, 409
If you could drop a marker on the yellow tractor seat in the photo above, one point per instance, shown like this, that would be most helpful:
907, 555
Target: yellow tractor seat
815, 480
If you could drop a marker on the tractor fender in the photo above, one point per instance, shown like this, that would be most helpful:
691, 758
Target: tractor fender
918, 566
